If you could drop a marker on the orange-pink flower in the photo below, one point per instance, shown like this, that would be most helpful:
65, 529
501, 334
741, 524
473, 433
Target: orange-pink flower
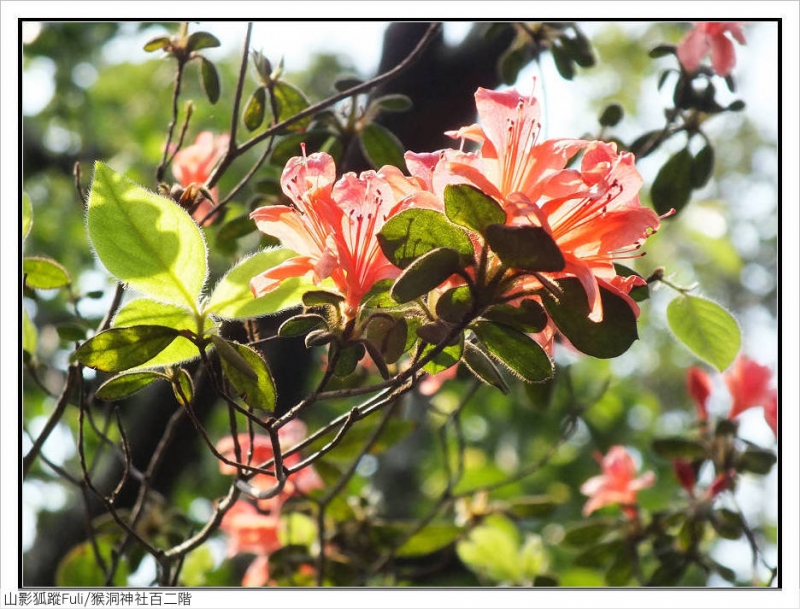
699, 386
592, 213
709, 37
617, 484
750, 386
332, 226
194, 164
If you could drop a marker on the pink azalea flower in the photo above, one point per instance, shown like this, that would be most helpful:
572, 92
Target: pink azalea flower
332, 226
593, 214
699, 385
750, 386
617, 484
709, 37
194, 164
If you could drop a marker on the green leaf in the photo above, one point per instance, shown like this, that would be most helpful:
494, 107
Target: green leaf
209, 78
492, 550
445, 359
708, 330
146, 241
182, 386
29, 335
536, 506
290, 101
414, 232
756, 461
256, 109
300, 325
512, 61
80, 568
662, 50
515, 350
727, 524
611, 116
678, 448
232, 298
620, 571
455, 304
393, 102
605, 339
143, 311
703, 167
156, 43
530, 248
247, 373
389, 335
381, 147
672, 186
71, 332
483, 368
468, 206
426, 273
432, 538
196, 565
237, 228
564, 64
201, 40
42, 273
27, 215
127, 383
119, 349
586, 533
528, 317
598, 555
348, 359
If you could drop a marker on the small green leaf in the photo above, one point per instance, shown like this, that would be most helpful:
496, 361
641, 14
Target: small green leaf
530, 248
201, 40
670, 571
579, 48
446, 358
29, 335
232, 298
381, 147
756, 461
247, 373
708, 330
727, 524
425, 273
672, 186
605, 339
127, 383
455, 304
393, 102
564, 63
237, 228
432, 538
492, 550
290, 101
27, 215
468, 206
389, 334
119, 349
143, 311
515, 350
344, 83
528, 317
512, 61
300, 325
156, 43
483, 368
209, 78
42, 273
414, 232
611, 116
348, 359
678, 448
534, 506
146, 241
703, 167
598, 555
256, 109
316, 298
71, 332
662, 50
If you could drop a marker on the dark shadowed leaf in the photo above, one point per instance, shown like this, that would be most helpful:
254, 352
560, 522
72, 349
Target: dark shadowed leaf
756, 461
672, 186
127, 383
425, 273
454, 304
611, 116
515, 350
678, 448
703, 167
290, 101
256, 109
605, 339
201, 40
482, 366
209, 79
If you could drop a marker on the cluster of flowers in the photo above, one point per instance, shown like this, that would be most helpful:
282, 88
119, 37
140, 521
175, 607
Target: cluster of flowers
592, 211
253, 526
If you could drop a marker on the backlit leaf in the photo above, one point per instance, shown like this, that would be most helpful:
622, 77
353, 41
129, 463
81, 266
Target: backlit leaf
432, 538
29, 335
290, 101
248, 374
27, 215
209, 79
468, 206
414, 232
80, 568
425, 273
256, 109
127, 383
146, 241
483, 368
201, 40
232, 298
119, 349
381, 147
42, 273
708, 330
529, 248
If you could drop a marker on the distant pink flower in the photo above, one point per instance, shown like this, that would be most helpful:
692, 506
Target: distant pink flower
750, 386
699, 385
333, 226
684, 472
617, 484
194, 164
709, 37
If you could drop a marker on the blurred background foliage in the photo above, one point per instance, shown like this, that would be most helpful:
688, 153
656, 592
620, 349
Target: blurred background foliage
114, 107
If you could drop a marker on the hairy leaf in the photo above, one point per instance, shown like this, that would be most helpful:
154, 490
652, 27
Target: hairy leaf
470, 207
708, 330
515, 350
119, 349
414, 232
